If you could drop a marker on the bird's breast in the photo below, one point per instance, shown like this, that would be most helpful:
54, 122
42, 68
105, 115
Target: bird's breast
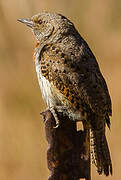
51, 95
44, 84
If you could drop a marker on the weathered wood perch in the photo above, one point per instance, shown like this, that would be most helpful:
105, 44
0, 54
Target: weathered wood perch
68, 156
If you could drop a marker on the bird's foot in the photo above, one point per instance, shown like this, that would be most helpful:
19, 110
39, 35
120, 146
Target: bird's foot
59, 109
53, 111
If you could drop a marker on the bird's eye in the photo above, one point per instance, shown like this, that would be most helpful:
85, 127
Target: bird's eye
40, 21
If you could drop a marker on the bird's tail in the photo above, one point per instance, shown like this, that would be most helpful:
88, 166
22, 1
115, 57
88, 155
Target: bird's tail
99, 148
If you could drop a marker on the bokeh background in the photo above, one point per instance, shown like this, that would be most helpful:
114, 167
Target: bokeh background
22, 137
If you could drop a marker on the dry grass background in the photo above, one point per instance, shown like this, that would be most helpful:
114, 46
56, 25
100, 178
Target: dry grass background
22, 138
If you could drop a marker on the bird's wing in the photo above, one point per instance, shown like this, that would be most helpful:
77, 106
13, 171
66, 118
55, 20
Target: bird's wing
79, 75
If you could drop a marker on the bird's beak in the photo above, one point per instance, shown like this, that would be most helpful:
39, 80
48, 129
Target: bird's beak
28, 22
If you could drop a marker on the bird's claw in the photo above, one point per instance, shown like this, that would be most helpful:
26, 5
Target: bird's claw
57, 125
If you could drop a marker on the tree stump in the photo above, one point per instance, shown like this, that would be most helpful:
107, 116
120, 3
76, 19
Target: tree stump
68, 155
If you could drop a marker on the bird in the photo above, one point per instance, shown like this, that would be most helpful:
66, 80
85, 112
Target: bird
71, 81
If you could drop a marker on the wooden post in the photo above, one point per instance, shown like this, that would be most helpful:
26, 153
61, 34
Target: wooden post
68, 155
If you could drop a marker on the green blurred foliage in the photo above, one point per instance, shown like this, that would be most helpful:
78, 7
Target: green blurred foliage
22, 137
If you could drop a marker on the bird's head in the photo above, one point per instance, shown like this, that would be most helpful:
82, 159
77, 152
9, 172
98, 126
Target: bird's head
46, 25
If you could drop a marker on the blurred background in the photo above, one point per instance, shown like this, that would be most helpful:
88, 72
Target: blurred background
22, 137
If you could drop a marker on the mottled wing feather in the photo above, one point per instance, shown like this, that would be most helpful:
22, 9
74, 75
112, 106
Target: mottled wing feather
79, 75
55, 70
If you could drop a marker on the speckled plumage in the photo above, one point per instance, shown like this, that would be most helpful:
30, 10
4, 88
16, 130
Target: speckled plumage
70, 78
